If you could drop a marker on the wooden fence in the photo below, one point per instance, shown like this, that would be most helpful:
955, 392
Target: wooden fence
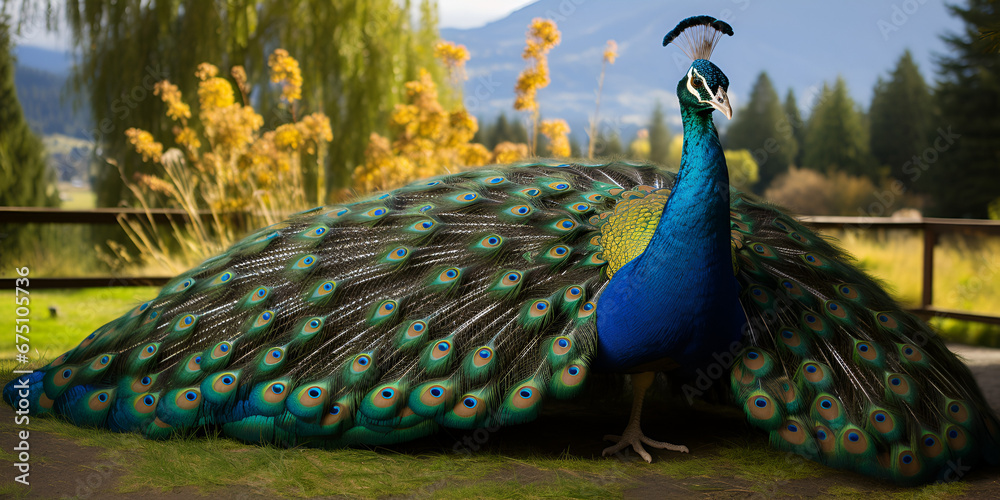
931, 229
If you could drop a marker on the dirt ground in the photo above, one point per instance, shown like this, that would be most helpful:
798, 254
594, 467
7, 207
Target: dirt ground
63, 469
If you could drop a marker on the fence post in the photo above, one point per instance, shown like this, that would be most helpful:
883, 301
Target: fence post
927, 293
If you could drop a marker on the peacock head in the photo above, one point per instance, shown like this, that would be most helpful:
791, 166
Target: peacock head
704, 86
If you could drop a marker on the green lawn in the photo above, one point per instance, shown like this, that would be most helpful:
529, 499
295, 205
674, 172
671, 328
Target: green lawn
78, 312
557, 456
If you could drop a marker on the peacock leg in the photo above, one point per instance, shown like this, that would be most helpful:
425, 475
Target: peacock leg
633, 433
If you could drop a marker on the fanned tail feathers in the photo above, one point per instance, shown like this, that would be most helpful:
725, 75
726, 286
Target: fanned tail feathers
836, 371
460, 301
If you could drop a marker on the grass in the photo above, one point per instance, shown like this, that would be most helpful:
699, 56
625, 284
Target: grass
79, 312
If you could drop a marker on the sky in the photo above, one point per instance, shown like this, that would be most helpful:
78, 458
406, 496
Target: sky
475, 13
460, 14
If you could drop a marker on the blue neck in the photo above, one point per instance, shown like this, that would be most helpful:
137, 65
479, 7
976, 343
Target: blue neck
696, 217
679, 299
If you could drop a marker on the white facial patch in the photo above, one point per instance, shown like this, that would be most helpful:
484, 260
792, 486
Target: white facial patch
692, 74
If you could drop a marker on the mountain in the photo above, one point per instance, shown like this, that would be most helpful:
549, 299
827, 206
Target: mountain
58, 62
47, 107
800, 44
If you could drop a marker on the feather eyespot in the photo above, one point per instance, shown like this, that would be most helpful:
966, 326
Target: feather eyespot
263, 319
561, 345
572, 293
491, 241
559, 186
101, 362
762, 250
385, 309
526, 396
530, 192
305, 262
565, 225
511, 278
580, 207
221, 350
797, 237
433, 183
886, 320
147, 351
595, 197
558, 252
467, 197
416, 329
911, 353
495, 181
397, 254
836, 310
813, 259
520, 210
361, 363
449, 275
337, 213
315, 231
100, 401
180, 287
376, 212
145, 404
441, 349
538, 308
312, 325
586, 310
259, 294
423, 226
274, 356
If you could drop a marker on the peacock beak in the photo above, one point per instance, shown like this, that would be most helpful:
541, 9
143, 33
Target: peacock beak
721, 103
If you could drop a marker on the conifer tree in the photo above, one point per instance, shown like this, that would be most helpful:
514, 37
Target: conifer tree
798, 127
758, 127
959, 166
659, 136
25, 180
836, 138
901, 115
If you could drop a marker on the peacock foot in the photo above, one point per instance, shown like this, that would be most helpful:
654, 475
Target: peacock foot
633, 436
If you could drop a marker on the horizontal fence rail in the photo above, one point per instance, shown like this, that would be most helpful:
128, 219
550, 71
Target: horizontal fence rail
931, 228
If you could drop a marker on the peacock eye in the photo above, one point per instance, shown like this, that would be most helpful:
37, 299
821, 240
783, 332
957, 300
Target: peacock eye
697, 82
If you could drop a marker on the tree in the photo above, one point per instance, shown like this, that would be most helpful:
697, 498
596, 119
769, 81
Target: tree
835, 136
355, 58
659, 136
760, 127
24, 178
959, 167
901, 115
798, 127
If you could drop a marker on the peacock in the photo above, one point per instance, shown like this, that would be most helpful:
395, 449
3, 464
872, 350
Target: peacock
467, 300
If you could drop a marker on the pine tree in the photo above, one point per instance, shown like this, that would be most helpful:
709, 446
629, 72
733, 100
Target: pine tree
836, 138
659, 136
901, 115
25, 180
760, 128
958, 165
798, 127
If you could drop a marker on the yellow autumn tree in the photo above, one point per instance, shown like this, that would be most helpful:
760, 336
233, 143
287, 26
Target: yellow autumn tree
543, 34
246, 176
428, 141
557, 132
